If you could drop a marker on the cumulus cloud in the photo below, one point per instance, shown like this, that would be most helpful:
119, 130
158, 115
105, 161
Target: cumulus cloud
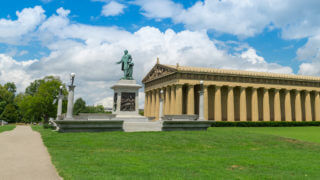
13, 31
14, 71
91, 52
296, 18
112, 8
310, 53
159, 8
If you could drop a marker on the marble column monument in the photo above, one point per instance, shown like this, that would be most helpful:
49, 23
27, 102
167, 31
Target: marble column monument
70, 98
60, 98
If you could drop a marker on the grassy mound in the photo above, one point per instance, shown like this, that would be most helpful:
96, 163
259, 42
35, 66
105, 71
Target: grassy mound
7, 128
219, 153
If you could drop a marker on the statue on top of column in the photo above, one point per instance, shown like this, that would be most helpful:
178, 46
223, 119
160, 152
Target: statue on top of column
126, 65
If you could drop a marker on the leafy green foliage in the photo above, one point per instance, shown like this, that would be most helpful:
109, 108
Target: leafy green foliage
11, 87
8, 109
79, 106
94, 109
37, 103
10, 114
264, 124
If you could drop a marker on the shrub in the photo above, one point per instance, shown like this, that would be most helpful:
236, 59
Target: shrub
265, 124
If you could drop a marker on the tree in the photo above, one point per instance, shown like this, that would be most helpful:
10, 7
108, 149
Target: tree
79, 106
6, 97
11, 87
37, 103
10, 114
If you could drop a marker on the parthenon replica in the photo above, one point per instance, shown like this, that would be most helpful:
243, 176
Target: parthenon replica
231, 95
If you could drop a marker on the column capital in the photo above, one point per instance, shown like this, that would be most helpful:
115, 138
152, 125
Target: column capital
179, 85
276, 90
286, 90
265, 89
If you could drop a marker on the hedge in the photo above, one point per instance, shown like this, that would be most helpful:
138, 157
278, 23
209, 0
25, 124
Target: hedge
264, 124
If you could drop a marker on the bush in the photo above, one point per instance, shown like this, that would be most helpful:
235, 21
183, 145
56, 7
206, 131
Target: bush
48, 126
264, 124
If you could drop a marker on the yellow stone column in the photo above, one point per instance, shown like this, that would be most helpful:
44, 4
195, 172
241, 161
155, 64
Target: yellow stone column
243, 104
146, 103
163, 96
178, 99
190, 101
217, 104
167, 101
153, 104
317, 106
172, 100
298, 106
205, 102
277, 110
254, 105
287, 105
308, 106
266, 105
157, 104
230, 104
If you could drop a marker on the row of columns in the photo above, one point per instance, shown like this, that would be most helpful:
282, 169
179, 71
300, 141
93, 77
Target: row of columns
173, 103
266, 105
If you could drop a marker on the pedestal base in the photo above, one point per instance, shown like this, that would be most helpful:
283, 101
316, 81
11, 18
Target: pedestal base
126, 99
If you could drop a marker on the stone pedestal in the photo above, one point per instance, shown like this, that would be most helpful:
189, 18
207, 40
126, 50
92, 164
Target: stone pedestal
126, 101
70, 102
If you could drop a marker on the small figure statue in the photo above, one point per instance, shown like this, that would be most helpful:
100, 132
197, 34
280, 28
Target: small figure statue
126, 65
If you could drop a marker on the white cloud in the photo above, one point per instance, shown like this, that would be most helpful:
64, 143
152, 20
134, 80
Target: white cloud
92, 51
251, 56
310, 53
112, 8
13, 31
296, 18
14, 71
159, 8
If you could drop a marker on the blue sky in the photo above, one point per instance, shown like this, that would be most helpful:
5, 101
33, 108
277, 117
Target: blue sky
55, 37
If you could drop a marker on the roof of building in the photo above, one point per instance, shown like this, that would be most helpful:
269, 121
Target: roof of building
186, 69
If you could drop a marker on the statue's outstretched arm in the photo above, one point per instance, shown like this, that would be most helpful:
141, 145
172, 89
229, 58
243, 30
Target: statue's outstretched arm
119, 61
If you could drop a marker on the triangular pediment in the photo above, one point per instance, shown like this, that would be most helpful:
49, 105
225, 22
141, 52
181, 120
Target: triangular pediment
158, 71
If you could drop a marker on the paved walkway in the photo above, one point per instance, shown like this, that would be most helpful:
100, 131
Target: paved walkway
23, 156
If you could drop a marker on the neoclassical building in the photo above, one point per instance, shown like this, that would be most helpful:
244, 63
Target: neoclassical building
231, 95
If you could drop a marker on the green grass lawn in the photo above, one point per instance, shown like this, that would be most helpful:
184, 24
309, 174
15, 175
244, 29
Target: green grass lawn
311, 134
6, 128
219, 153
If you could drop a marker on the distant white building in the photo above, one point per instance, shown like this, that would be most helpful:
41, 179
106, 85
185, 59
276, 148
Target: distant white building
2, 122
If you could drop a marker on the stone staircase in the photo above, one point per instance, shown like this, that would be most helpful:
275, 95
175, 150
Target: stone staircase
142, 126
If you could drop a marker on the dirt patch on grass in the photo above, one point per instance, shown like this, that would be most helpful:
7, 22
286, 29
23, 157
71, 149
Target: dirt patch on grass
236, 167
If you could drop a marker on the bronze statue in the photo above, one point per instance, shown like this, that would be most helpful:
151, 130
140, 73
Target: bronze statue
126, 65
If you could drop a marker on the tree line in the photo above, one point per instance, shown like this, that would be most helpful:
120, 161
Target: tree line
39, 101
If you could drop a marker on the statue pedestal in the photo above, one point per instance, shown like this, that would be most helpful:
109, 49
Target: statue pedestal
126, 101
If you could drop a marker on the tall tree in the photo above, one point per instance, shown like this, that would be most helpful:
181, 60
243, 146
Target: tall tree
6, 97
79, 106
11, 87
10, 114
38, 102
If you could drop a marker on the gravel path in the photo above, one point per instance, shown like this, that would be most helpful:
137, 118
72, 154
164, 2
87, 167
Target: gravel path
23, 156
